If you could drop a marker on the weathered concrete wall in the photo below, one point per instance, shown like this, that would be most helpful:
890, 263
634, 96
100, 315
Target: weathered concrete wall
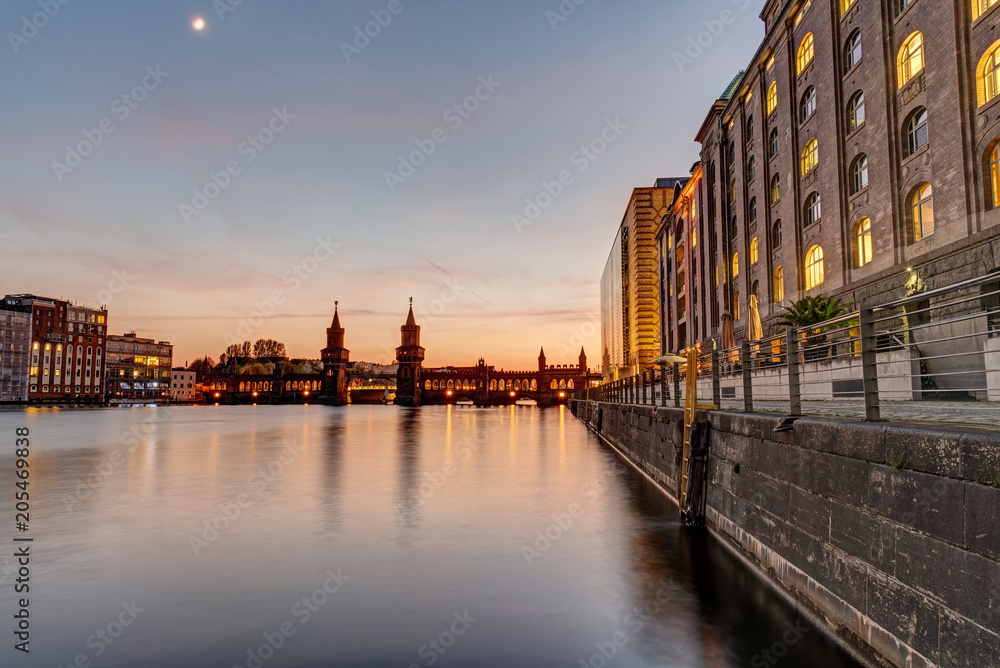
904, 561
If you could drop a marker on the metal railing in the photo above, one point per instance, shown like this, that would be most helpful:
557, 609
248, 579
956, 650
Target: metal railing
876, 361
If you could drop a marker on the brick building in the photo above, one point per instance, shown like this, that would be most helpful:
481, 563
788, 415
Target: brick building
857, 152
67, 350
630, 318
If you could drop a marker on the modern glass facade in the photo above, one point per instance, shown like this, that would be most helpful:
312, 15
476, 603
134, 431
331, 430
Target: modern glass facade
15, 346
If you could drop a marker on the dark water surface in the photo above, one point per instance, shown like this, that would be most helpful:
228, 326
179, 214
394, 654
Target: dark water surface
370, 536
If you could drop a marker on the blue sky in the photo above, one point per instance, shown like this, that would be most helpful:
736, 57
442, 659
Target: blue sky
306, 215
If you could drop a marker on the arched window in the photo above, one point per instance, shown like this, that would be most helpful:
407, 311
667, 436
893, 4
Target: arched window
863, 241
451, 385
779, 284
569, 384
814, 267
752, 215
776, 234
813, 209
749, 137
736, 306
493, 384
288, 386
751, 169
427, 384
243, 387
979, 7
734, 228
808, 104
859, 174
774, 142
845, 5
736, 265
772, 97
923, 212
555, 385
562, 384
988, 84
856, 111
810, 156
510, 384
916, 130
852, 51
753, 251
994, 174
911, 58
805, 52
775, 189
534, 385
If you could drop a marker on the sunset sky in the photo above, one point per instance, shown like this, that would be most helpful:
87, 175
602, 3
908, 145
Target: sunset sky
109, 226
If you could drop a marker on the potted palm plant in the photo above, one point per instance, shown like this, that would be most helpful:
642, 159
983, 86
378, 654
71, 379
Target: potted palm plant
810, 311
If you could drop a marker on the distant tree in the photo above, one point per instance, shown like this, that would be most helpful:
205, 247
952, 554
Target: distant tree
246, 350
202, 366
268, 349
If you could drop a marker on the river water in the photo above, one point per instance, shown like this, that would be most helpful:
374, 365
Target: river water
307, 536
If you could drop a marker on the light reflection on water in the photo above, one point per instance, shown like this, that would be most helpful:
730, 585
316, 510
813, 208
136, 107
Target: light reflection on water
433, 516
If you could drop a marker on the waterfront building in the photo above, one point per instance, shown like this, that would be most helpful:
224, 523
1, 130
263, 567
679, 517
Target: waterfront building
335, 359
67, 350
138, 369
630, 318
183, 385
857, 155
15, 351
410, 356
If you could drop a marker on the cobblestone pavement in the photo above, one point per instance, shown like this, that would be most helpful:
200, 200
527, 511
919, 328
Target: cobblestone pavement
980, 414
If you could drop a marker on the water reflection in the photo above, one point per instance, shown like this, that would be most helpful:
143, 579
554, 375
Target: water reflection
428, 513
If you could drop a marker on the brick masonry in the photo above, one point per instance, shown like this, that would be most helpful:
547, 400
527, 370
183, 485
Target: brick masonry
902, 562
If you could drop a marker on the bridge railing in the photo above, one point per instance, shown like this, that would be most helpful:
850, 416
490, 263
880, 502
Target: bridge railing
876, 361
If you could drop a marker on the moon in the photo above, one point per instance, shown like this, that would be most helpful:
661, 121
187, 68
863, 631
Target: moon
198, 23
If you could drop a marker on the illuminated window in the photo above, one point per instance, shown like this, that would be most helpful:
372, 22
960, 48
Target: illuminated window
736, 265
863, 241
814, 267
990, 74
813, 210
48, 347
779, 284
776, 234
845, 5
775, 189
979, 7
802, 12
859, 174
995, 174
736, 306
916, 130
810, 156
770, 64
805, 52
911, 57
856, 111
774, 142
694, 237
772, 98
808, 104
852, 51
753, 250
923, 212
732, 190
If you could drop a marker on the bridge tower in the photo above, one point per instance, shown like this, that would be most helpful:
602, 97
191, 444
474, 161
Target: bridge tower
335, 356
411, 358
